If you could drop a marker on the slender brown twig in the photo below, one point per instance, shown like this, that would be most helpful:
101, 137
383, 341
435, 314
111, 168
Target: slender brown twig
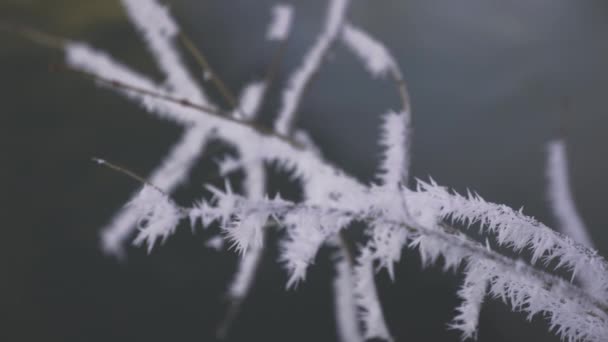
204, 64
127, 172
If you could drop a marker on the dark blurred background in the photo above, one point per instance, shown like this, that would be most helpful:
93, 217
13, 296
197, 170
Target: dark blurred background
491, 83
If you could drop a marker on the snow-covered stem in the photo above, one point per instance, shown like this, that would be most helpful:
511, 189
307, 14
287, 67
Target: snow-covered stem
472, 292
245, 274
376, 58
344, 298
516, 231
574, 313
568, 220
396, 132
513, 281
394, 166
366, 297
311, 63
450, 238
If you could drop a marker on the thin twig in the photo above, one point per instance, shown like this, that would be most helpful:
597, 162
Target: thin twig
454, 237
204, 63
457, 239
312, 76
127, 172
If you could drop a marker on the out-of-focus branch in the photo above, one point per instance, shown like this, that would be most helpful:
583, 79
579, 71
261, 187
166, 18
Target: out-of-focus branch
300, 80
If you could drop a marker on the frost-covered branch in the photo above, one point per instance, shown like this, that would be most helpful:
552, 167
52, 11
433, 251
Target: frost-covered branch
472, 293
516, 231
346, 309
560, 197
366, 297
430, 218
394, 166
310, 65
377, 59
573, 312
568, 220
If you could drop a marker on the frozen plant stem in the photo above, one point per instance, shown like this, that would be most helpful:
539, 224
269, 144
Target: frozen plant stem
301, 78
127, 173
255, 176
562, 202
560, 196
